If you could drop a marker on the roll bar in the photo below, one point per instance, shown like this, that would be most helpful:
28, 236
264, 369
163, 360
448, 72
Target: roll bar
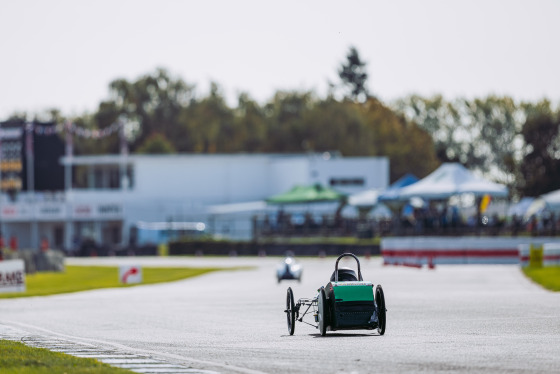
347, 255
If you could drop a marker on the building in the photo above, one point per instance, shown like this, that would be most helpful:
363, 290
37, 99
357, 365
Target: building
113, 198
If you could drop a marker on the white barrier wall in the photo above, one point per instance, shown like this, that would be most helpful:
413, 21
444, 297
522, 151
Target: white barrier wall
431, 251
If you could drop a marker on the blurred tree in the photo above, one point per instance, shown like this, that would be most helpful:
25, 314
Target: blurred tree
354, 76
495, 123
250, 125
154, 100
332, 125
210, 126
156, 143
286, 114
540, 169
482, 134
443, 122
409, 148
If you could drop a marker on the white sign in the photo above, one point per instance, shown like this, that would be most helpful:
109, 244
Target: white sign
12, 276
83, 211
50, 211
16, 212
110, 210
129, 274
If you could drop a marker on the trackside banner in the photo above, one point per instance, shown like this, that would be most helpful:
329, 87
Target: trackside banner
12, 276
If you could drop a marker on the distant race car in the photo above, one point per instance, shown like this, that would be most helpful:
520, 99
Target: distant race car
289, 269
346, 303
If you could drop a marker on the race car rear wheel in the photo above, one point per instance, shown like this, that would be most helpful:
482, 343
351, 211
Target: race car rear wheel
323, 311
381, 310
290, 311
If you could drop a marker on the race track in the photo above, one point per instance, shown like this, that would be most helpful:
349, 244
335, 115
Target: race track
483, 319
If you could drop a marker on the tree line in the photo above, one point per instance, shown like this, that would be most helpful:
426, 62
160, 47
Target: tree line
514, 143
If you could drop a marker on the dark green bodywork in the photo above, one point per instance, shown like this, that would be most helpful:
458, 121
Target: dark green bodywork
352, 305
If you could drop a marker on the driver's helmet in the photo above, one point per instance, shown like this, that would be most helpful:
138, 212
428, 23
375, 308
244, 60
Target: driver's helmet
345, 275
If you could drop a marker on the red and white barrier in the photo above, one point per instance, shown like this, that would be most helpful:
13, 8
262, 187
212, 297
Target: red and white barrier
524, 250
431, 251
550, 255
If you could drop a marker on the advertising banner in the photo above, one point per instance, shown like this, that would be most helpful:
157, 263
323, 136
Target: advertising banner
12, 276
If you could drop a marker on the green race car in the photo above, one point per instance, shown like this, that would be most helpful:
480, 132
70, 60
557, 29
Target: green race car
347, 302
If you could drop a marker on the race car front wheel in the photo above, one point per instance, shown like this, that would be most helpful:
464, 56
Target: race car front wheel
322, 311
381, 310
290, 311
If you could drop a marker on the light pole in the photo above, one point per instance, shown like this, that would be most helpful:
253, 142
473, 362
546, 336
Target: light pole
29, 127
69, 242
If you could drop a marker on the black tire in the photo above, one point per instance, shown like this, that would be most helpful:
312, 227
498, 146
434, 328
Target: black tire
290, 311
381, 309
323, 311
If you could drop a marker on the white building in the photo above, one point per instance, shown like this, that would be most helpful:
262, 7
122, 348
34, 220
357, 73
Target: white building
112, 194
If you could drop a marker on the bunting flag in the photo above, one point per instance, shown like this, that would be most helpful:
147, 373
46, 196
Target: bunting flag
484, 203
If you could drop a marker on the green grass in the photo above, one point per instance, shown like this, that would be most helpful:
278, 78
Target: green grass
82, 278
548, 277
16, 357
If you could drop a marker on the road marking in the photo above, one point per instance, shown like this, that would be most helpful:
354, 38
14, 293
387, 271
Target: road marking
123, 348
111, 356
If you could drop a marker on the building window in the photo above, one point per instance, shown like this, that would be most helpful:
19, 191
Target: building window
102, 176
347, 182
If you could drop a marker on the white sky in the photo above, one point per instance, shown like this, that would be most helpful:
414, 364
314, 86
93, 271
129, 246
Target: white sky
64, 53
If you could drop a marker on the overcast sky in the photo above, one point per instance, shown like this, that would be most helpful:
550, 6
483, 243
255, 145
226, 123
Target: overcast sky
64, 53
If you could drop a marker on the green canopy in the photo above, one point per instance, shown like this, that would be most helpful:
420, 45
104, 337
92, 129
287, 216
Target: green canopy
307, 194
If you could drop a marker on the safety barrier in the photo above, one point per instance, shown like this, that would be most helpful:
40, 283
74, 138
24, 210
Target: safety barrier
539, 255
432, 251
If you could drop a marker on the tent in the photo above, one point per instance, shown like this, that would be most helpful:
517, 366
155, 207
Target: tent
392, 193
548, 202
452, 179
307, 194
367, 198
519, 209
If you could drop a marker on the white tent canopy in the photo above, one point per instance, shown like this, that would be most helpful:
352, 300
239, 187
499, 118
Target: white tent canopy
548, 202
367, 198
452, 179
552, 200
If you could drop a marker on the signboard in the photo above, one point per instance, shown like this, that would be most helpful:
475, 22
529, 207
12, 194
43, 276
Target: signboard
16, 212
83, 211
110, 211
130, 274
50, 211
97, 211
11, 157
12, 276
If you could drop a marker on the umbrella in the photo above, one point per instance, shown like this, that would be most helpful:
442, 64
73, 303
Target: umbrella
307, 194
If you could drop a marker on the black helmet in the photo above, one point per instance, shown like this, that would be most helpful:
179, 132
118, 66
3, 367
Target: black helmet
345, 275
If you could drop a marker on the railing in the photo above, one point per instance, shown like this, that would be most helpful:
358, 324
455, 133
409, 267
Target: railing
369, 228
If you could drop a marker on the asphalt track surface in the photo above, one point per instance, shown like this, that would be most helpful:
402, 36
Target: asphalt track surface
475, 319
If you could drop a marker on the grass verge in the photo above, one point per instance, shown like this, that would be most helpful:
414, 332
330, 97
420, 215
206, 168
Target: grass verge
18, 358
548, 277
82, 278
